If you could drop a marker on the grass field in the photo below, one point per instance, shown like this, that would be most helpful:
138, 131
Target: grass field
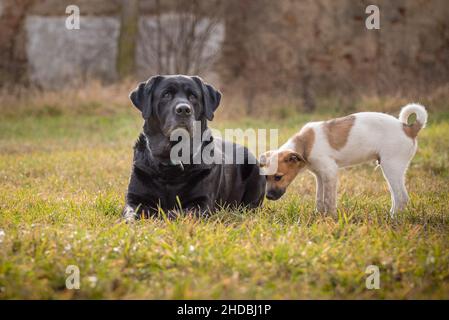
62, 183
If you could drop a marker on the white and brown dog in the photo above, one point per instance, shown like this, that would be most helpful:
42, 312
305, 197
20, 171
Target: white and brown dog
324, 147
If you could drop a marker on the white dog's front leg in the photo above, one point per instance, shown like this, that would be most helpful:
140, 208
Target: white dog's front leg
320, 207
330, 181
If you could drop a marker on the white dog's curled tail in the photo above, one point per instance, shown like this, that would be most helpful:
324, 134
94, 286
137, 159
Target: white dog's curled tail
421, 115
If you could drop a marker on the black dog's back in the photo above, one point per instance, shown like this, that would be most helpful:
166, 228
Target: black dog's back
241, 172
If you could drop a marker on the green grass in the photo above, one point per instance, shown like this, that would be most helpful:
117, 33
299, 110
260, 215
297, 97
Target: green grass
62, 185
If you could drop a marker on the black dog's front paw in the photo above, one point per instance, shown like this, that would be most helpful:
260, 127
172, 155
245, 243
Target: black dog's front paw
129, 215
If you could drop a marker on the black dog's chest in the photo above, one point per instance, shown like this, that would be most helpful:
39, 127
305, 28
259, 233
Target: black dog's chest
173, 186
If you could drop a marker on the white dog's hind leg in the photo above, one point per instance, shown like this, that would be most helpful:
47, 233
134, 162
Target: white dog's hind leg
394, 173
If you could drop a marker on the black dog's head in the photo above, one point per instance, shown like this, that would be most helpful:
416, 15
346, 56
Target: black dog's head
172, 102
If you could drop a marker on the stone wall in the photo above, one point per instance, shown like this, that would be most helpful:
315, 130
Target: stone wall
58, 56
301, 47
37, 48
284, 46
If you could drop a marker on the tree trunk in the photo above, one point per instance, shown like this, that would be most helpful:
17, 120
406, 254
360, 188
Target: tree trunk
307, 96
128, 37
13, 59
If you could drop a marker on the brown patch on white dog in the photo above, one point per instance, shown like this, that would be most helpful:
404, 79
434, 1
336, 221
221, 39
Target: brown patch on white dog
304, 141
337, 131
411, 130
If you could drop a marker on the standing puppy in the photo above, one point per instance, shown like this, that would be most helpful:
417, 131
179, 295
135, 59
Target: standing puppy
324, 147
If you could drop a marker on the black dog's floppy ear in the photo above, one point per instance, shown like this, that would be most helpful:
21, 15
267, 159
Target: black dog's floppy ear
211, 98
141, 96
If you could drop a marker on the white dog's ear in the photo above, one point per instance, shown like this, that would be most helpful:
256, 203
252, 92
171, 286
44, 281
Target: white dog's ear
263, 159
294, 157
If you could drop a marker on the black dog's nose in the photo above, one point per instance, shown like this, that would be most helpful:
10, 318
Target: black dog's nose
183, 109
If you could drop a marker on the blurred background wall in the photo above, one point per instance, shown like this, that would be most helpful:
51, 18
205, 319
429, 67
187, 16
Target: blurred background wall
258, 49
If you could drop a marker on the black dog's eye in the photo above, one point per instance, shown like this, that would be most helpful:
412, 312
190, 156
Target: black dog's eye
168, 95
277, 177
192, 97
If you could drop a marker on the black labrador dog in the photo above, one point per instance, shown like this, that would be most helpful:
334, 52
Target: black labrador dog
169, 103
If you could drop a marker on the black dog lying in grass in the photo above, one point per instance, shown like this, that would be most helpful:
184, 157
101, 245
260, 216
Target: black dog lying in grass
170, 103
